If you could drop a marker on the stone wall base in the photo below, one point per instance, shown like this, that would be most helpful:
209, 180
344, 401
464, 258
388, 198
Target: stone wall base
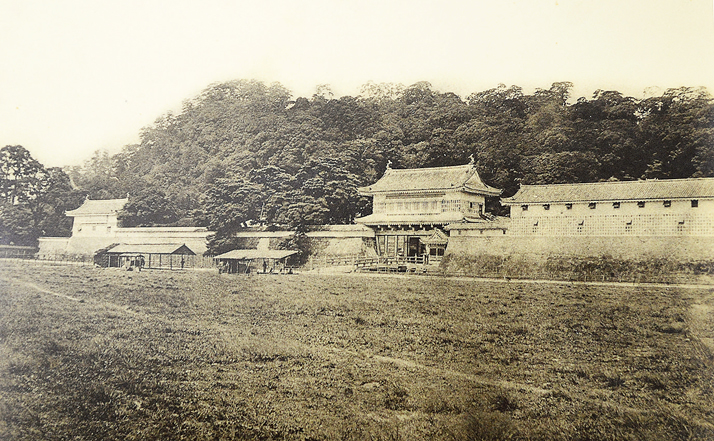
639, 248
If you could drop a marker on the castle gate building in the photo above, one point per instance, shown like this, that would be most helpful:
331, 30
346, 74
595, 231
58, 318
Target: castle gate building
410, 205
667, 207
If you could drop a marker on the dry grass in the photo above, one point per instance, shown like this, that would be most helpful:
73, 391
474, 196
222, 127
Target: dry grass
171, 355
603, 268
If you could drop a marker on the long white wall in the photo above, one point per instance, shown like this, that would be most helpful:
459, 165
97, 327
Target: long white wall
652, 218
88, 244
636, 248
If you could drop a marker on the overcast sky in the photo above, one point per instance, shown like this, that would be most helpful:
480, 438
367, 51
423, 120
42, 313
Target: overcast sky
77, 76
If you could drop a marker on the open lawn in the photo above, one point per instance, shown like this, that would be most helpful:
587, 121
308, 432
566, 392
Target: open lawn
89, 353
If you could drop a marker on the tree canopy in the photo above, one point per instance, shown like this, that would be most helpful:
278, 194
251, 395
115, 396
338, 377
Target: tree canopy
33, 199
243, 151
149, 207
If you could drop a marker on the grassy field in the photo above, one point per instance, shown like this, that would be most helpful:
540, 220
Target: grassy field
90, 353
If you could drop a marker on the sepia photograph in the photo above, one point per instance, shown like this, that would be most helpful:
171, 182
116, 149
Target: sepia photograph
357, 220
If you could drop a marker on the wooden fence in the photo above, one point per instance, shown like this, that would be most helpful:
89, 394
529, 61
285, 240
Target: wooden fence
377, 263
177, 261
390, 260
58, 259
16, 252
327, 261
392, 264
166, 262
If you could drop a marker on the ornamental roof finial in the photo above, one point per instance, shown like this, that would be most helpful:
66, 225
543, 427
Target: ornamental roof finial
389, 164
471, 159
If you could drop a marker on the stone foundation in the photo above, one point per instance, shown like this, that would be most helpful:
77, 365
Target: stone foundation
682, 248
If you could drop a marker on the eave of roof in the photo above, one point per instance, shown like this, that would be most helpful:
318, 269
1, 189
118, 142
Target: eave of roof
411, 219
98, 207
166, 248
498, 223
653, 189
439, 237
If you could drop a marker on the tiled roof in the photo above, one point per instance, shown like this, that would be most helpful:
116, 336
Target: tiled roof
104, 206
348, 227
439, 237
88, 245
430, 179
400, 219
255, 254
165, 248
497, 223
651, 189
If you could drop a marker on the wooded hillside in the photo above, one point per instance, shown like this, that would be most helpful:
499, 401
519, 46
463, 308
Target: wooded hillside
243, 150
33, 199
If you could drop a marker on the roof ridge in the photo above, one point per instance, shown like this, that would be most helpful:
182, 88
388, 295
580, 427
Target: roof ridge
620, 182
430, 168
648, 189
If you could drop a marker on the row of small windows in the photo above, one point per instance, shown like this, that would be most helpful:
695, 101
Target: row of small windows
615, 224
593, 205
628, 227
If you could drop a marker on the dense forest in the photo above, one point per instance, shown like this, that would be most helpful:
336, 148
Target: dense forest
33, 198
243, 151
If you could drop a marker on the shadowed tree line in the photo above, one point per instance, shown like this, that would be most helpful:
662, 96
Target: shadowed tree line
243, 152
33, 198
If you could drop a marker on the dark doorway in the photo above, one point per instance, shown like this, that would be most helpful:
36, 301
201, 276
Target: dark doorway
413, 248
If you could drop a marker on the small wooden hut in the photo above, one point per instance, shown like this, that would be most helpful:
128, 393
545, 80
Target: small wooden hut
167, 256
245, 261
